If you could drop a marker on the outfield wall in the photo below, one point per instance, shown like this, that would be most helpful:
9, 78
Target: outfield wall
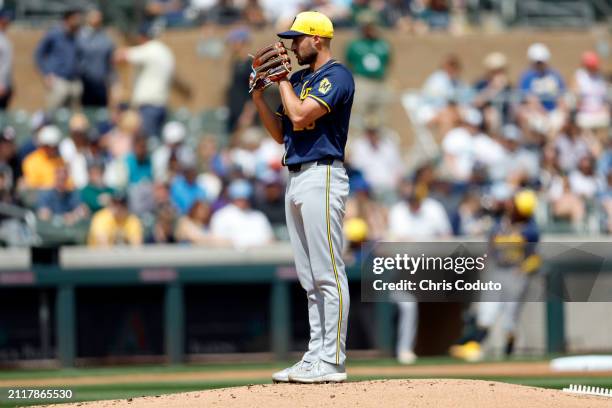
183, 301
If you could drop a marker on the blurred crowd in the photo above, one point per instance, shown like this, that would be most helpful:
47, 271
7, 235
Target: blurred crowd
417, 16
495, 137
140, 176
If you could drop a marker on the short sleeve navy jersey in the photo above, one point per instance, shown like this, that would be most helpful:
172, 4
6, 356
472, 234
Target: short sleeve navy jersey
333, 87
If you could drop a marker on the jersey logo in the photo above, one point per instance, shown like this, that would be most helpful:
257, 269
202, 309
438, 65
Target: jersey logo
305, 91
325, 86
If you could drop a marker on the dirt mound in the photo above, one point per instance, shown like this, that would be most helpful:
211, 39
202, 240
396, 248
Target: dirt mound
386, 393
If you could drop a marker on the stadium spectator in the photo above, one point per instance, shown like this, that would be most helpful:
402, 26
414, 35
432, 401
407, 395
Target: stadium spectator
61, 204
362, 205
605, 201
604, 162
172, 12
118, 143
494, 92
435, 14
271, 199
6, 61
583, 180
238, 223
155, 72
223, 13
96, 195
138, 163
515, 158
246, 156
9, 158
164, 157
115, 225
163, 227
469, 219
415, 217
40, 167
238, 99
377, 155
281, 12
57, 60
211, 158
95, 61
593, 103
75, 149
542, 112
458, 147
6, 188
253, 14
443, 92
184, 188
566, 205
572, 146
38, 120
194, 227
396, 14
369, 57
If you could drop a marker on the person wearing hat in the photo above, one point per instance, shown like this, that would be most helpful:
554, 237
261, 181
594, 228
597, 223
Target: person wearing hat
513, 260
173, 136
494, 91
75, 149
56, 58
593, 103
6, 62
115, 225
40, 166
154, 76
542, 111
237, 222
313, 123
369, 57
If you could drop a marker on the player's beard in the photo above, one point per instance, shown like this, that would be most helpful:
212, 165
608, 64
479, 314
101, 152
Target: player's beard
307, 58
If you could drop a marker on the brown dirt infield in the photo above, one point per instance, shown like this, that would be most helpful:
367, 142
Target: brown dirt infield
485, 369
384, 393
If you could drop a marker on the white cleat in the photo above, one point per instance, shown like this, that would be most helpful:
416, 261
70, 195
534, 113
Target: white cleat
406, 357
283, 375
319, 372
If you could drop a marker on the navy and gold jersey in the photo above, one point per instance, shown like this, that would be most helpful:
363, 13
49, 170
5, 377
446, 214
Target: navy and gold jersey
333, 87
515, 244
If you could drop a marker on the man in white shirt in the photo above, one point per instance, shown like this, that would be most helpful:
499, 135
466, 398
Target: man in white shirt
154, 63
238, 222
377, 156
173, 136
6, 61
418, 217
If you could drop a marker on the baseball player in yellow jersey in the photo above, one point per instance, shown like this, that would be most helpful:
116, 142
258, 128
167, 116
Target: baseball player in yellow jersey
312, 123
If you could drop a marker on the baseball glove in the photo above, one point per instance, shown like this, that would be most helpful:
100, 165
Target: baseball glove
270, 64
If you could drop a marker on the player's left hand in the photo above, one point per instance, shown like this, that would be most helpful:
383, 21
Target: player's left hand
270, 64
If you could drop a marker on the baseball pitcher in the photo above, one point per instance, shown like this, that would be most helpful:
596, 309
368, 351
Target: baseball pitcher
312, 123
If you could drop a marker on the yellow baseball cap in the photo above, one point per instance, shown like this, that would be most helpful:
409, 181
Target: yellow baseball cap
526, 202
310, 23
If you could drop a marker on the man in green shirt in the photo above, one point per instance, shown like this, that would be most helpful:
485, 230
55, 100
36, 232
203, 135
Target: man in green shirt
369, 57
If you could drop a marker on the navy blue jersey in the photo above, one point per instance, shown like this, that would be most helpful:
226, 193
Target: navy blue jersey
333, 87
512, 244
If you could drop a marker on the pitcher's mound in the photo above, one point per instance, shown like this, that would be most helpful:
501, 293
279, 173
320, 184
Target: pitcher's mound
384, 393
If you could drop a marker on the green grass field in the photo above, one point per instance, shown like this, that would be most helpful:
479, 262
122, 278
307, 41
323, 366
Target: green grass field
127, 389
